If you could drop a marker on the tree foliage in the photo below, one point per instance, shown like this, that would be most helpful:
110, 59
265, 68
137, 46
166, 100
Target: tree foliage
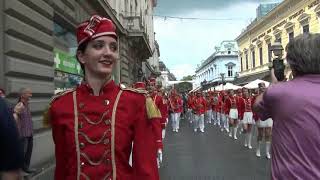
187, 78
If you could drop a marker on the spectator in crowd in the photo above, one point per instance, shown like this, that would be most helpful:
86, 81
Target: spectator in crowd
2, 93
24, 123
295, 109
11, 158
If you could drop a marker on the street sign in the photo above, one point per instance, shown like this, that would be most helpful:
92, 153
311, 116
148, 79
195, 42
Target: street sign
66, 63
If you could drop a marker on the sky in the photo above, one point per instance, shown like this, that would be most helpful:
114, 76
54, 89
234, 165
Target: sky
184, 43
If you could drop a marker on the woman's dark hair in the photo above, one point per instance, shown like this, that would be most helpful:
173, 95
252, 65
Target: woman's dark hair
303, 54
82, 48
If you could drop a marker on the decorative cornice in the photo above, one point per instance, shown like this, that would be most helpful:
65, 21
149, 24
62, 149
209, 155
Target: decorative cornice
230, 64
303, 17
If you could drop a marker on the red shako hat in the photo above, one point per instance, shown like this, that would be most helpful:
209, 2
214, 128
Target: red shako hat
95, 27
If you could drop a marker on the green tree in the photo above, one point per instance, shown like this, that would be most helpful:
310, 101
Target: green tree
187, 78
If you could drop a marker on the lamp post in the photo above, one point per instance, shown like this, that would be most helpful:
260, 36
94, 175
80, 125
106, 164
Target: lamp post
277, 63
222, 80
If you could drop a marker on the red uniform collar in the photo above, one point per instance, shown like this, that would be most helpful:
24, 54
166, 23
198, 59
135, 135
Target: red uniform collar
108, 86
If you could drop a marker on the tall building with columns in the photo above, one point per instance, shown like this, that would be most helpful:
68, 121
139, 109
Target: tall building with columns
286, 21
223, 63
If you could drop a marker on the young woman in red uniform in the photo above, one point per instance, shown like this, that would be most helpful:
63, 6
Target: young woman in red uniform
95, 124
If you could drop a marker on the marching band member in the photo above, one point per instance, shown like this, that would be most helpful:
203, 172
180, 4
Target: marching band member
189, 104
208, 114
216, 121
174, 110
264, 130
232, 112
199, 108
95, 124
246, 104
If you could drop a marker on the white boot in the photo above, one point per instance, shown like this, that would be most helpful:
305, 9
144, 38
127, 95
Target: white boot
268, 145
249, 140
258, 149
246, 140
163, 133
230, 133
235, 133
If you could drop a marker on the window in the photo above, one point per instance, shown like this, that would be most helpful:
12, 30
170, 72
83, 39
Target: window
291, 36
261, 56
253, 53
269, 52
247, 65
66, 38
305, 29
230, 72
278, 39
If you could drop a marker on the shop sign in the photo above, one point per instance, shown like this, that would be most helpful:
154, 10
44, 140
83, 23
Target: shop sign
66, 63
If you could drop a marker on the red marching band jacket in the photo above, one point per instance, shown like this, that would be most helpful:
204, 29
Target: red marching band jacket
174, 103
231, 102
209, 102
158, 100
93, 135
199, 105
190, 100
245, 105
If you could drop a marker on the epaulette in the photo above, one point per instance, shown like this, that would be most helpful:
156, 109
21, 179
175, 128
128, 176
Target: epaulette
46, 116
151, 108
59, 94
140, 91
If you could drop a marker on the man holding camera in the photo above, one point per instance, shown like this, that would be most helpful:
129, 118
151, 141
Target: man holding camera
294, 107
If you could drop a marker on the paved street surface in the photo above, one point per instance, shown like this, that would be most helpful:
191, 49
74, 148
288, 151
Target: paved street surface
211, 155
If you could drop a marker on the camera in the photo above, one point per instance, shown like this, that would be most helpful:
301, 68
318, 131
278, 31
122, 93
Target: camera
278, 67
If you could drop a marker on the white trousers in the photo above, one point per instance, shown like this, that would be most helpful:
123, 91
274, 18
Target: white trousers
224, 121
199, 121
175, 118
189, 115
208, 116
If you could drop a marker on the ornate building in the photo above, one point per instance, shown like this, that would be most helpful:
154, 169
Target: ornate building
289, 19
223, 64
165, 76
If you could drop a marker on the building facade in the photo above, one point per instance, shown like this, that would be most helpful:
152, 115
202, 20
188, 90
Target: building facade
223, 64
288, 20
166, 76
264, 9
39, 44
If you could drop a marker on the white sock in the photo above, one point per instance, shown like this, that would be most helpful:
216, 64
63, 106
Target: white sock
268, 145
249, 139
163, 133
235, 131
258, 148
246, 139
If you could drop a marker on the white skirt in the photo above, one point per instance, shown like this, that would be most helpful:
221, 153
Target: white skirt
248, 118
264, 124
233, 114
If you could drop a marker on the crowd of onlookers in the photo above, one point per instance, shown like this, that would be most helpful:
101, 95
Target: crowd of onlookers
16, 135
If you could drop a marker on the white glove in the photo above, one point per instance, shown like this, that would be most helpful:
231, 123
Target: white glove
159, 157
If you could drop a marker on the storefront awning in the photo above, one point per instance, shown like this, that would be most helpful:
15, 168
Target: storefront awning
246, 79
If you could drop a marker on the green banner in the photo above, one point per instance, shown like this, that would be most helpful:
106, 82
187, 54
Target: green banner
66, 62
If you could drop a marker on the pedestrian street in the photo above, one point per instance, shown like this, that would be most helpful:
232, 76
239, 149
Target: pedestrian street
211, 155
